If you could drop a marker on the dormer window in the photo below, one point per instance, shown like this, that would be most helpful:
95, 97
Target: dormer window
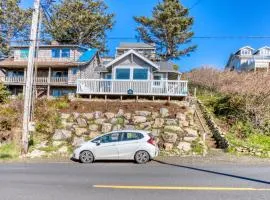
265, 52
246, 52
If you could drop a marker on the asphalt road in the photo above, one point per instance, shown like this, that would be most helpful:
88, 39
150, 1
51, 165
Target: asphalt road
126, 181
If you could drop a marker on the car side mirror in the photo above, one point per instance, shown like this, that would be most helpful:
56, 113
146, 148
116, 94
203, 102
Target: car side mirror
98, 142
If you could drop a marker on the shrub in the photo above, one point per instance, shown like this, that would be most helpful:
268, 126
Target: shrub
3, 93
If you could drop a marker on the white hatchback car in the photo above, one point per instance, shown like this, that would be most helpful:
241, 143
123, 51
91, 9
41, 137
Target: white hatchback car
118, 145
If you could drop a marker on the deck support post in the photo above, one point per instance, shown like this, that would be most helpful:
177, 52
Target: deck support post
90, 96
153, 98
105, 97
169, 98
137, 98
121, 98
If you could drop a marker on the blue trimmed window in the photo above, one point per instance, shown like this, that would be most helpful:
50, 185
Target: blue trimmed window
65, 53
74, 70
140, 74
123, 74
56, 53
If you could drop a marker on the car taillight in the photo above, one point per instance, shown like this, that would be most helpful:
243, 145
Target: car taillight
151, 141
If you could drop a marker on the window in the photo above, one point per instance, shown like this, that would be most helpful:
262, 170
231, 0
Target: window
140, 74
65, 53
132, 136
108, 76
157, 80
113, 137
123, 74
56, 53
74, 70
24, 53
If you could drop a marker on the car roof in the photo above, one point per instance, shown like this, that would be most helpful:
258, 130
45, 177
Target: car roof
131, 131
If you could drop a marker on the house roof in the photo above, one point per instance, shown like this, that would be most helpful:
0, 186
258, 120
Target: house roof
88, 55
135, 53
245, 47
167, 66
135, 45
265, 47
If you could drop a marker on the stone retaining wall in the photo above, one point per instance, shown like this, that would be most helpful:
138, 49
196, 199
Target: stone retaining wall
218, 135
174, 134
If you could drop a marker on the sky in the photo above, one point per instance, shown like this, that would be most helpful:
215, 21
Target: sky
212, 18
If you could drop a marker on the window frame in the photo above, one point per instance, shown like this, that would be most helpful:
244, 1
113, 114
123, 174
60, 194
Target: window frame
24, 53
145, 69
126, 140
65, 54
56, 53
119, 138
116, 75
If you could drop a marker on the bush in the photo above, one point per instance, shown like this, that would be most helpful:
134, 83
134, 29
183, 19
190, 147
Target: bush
3, 93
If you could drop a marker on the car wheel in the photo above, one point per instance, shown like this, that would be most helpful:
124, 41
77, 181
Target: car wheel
86, 157
142, 157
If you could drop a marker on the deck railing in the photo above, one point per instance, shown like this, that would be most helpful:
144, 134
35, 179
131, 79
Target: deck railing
38, 80
135, 87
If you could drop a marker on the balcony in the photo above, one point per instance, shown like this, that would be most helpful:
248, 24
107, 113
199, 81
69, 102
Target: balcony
20, 80
132, 87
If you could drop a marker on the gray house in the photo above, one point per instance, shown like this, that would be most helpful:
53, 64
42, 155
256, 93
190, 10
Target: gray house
58, 68
135, 70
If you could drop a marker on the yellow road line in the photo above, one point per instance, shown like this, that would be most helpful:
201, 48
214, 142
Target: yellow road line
179, 188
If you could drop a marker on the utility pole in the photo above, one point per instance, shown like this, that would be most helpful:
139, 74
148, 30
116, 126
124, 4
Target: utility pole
29, 76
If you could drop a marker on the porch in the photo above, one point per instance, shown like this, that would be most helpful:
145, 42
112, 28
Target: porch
175, 88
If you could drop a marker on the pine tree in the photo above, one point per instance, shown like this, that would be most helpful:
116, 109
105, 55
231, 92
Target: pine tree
80, 22
14, 23
169, 28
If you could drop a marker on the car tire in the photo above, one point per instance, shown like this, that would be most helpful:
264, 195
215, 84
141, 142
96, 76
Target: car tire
142, 157
86, 157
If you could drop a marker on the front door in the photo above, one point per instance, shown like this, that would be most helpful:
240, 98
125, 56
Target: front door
107, 149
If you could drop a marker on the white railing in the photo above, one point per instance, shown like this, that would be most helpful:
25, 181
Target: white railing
136, 87
39, 80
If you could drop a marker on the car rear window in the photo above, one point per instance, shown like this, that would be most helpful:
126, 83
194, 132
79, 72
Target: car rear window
131, 136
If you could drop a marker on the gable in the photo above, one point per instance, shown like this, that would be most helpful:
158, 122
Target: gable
132, 58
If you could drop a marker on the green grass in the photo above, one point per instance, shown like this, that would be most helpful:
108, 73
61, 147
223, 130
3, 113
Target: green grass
9, 151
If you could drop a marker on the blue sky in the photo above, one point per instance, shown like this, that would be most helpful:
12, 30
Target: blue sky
212, 18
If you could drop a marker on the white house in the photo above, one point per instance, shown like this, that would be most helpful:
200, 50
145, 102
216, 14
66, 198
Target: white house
249, 59
135, 70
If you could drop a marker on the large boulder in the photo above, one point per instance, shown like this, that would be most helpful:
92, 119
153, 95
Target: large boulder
168, 146
81, 122
62, 134
169, 137
129, 127
143, 113
65, 116
93, 127
184, 146
156, 132
109, 115
117, 127
78, 141
94, 134
155, 115
189, 139
164, 112
106, 127
159, 122
173, 129
57, 143
75, 115
171, 122
80, 131
127, 116
100, 121
184, 123
191, 132
88, 116
139, 119
120, 113
98, 114
181, 116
